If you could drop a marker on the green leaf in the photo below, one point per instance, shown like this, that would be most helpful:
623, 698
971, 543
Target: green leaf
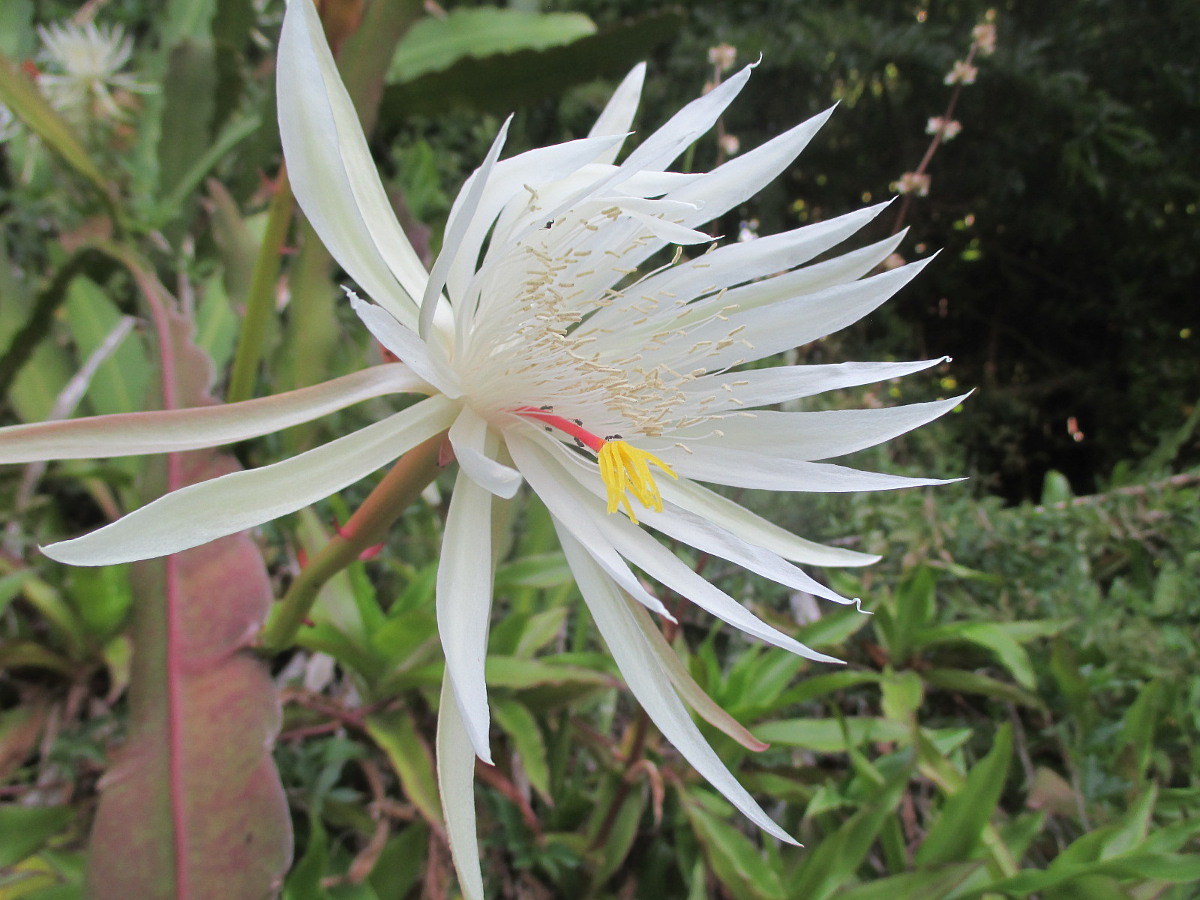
736, 862
504, 81
434, 43
944, 882
827, 736
834, 860
25, 829
993, 638
964, 682
965, 814
396, 733
21, 96
522, 729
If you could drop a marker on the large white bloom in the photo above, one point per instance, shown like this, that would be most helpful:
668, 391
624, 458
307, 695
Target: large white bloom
550, 361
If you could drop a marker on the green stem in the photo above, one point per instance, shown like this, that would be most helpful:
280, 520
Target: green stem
396, 492
260, 301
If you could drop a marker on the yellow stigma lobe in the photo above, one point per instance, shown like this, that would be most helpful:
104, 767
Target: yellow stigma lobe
626, 470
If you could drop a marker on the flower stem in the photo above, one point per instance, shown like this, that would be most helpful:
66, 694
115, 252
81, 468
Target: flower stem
399, 488
260, 299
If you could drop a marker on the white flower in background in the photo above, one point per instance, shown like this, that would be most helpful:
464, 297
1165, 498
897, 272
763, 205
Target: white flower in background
722, 56
83, 68
962, 73
947, 128
984, 37
550, 360
913, 183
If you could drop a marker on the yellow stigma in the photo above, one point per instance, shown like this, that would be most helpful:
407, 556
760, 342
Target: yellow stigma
626, 470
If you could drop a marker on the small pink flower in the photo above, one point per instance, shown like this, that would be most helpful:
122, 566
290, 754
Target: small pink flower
947, 128
962, 73
912, 183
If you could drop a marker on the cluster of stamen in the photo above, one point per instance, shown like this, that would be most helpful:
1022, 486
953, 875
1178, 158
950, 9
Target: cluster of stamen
624, 469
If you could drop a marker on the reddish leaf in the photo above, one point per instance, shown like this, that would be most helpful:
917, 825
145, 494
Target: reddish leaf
192, 807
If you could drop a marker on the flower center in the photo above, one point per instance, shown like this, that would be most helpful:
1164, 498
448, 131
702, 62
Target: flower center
624, 468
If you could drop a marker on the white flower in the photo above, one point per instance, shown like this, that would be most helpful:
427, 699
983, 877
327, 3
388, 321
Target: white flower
947, 128
913, 183
84, 64
983, 36
548, 360
962, 73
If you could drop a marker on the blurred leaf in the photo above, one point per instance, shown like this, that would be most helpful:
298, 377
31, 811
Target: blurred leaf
738, 864
436, 43
505, 81
834, 860
964, 682
943, 883
965, 814
21, 95
25, 829
827, 736
396, 733
522, 729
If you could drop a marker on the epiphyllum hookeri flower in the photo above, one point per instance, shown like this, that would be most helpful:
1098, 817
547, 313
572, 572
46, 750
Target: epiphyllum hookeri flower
549, 360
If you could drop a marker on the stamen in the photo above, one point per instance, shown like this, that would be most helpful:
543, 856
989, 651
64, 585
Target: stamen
624, 468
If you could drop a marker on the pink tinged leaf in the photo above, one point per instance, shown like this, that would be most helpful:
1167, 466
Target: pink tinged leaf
192, 807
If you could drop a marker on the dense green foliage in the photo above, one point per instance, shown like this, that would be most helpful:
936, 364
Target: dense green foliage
1018, 717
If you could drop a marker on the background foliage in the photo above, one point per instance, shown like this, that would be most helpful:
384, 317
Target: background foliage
1018, 717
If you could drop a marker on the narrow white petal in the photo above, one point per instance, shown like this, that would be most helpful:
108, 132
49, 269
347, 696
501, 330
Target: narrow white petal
813, 435
755, 529
513, 208
747, 173
662, 147
645, 552
650, 683
563, 497
203, 512
423, 358
464, 603
332, 173
778, 384
174, 430
456, 783
456, 229
725, 267
469, 437
709, 536
617, 117
691, 692
740, 468
787, 323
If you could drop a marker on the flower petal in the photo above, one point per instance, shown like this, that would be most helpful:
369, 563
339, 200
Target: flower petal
564, 498
642, 550
709, 537
740, 468
202, 512
464, 603
174, 430
693, 695
469, 437
456, 783
756, 530
332, 173
617, 117
649, 682
779, 384
810, 435
463, 211
424, 359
